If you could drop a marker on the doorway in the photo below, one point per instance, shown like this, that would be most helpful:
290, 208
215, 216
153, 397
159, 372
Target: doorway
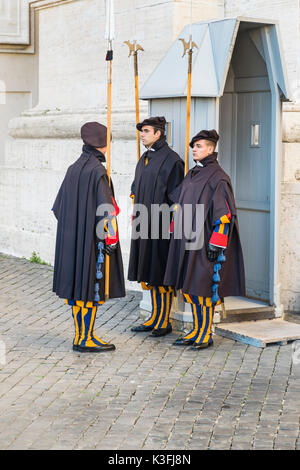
245, 155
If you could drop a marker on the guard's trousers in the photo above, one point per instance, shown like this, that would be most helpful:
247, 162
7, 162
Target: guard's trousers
161, 300
203, 314
84, 316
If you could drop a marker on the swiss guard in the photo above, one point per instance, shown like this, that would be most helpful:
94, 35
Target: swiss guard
214, 267
79, 269
159, 171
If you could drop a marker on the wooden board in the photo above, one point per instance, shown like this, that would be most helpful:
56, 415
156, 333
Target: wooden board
260, 333
244, 309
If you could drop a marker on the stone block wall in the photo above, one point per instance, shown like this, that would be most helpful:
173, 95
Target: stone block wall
51, 86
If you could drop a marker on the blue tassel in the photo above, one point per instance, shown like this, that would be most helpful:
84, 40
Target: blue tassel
221, 258
216, 277
97, 298
99, 274
217, 267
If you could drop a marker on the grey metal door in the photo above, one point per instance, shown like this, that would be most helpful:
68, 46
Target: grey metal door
245, 155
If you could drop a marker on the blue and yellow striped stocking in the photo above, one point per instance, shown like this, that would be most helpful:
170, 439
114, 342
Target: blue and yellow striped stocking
79, 311
76, 314
88, 337
166, 295
205, 335
161, 300
203, 312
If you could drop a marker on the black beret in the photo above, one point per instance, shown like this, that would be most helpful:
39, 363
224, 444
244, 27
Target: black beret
211, 135
157, 121
94, 134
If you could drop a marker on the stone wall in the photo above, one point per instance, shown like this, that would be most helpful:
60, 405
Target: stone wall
290, 206
70, 73
52, 85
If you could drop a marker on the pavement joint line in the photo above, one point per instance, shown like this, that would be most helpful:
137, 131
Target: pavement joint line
265, 396
298, 437
150, 350
151, 396
210, 391
194, 388
282, 403
153, 391
229, 392
244, 400
97, 418
54, 365
22, 431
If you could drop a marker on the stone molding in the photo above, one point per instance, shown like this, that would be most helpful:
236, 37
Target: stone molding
45, 123
16, 27
56, 124
14, 22
41, 4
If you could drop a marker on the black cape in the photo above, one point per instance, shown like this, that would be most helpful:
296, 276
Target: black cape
190, 270
152, 185
84, 188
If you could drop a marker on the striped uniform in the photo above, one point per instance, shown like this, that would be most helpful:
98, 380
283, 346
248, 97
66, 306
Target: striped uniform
202, 308
161, 300
84, 313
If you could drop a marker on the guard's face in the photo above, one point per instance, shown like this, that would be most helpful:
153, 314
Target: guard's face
102, 150
201, 149
148, 136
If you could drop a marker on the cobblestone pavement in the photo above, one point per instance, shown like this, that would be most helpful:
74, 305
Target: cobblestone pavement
147, 394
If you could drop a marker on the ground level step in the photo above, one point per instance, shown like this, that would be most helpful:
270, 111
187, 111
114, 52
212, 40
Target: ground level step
260, 333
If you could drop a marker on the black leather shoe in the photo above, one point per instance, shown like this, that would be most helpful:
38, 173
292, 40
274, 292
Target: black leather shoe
161, 331
183, 342
97, 349
75, 347
140, 328
202, 345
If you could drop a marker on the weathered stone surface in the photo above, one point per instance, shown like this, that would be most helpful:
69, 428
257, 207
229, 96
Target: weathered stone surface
147, 394
61, 81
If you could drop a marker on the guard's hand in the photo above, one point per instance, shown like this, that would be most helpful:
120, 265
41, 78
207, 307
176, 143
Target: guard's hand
212, 252
110, 249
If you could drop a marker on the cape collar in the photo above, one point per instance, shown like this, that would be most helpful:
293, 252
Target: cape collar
89, 150
207, 160
158, 145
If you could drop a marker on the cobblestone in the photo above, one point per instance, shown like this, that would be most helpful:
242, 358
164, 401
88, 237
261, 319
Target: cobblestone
147, 394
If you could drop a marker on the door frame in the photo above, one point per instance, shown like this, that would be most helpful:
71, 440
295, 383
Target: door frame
275, 169
276, 158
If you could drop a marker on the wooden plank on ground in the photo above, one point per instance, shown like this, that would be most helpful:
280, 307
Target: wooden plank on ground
260, 333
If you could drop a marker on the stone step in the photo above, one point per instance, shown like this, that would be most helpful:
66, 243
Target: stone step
260, 333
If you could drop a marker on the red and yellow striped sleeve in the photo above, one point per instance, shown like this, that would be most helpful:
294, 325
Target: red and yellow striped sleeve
110, 225
221, 230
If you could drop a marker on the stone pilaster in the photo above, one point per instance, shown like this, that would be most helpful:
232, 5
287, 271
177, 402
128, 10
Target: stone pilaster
290, 205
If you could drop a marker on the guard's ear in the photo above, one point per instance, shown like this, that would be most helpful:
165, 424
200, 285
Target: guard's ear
209, 143
157, 130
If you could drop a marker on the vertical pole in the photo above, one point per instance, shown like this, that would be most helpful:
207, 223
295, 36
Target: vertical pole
188, 111
109, 120
137, 105
108, 163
